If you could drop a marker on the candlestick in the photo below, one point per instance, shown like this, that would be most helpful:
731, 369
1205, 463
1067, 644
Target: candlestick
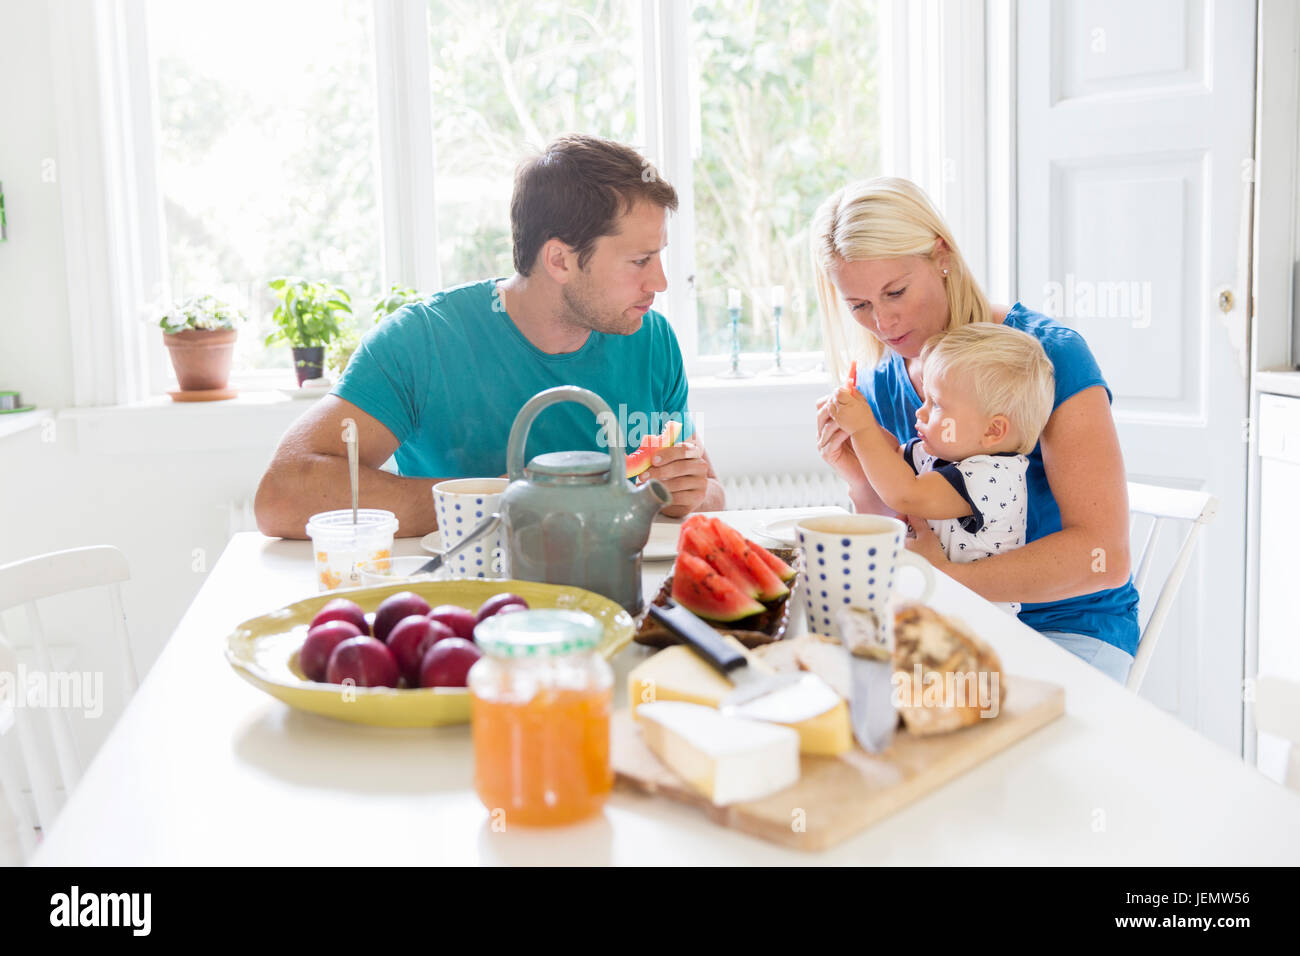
733, 311
778, 306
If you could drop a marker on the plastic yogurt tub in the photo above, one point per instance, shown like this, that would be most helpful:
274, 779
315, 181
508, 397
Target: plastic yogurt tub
340, 546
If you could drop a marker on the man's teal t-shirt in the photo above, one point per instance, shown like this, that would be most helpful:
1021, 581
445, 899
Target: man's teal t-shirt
1109, 615
448, 375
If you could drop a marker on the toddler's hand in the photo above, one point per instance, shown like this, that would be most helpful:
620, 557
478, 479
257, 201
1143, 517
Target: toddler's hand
851, 411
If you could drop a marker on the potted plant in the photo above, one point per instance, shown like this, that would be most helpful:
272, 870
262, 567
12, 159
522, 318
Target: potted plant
200, 338
309, 316
341, 349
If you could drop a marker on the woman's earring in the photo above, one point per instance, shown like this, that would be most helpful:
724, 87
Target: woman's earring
945, 271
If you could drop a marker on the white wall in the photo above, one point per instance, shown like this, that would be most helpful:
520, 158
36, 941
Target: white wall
35, 355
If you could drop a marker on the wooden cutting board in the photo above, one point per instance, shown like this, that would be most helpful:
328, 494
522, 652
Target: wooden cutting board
837, 797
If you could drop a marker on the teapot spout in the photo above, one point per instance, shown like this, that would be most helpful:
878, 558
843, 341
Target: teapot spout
651, 498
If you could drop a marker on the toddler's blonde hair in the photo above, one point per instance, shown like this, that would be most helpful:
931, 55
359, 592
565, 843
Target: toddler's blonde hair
1007, 370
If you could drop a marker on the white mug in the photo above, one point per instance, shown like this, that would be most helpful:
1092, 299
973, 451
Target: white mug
461, 504
853, 561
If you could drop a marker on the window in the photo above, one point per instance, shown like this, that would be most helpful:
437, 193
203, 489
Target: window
506, 78
789, 111
266, 124
294, 137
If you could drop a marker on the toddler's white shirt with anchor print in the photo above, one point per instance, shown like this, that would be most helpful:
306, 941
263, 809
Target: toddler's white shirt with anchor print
995, 488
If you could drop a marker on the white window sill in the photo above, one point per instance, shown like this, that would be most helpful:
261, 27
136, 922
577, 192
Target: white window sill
158, 425
15, 422
256, 419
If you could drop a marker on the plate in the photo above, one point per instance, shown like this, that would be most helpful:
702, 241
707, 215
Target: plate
432, 542
783, 530
755, 631
264, 650
662, 544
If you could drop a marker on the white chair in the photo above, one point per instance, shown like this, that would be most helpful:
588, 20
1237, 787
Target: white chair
1277, 712
22, 584
1164, 506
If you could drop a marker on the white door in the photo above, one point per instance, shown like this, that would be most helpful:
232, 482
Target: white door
1135, 124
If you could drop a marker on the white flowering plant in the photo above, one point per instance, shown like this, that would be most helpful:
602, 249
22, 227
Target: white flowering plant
204, 312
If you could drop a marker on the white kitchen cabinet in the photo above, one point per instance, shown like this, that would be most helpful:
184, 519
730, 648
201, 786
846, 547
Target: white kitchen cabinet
1279, 556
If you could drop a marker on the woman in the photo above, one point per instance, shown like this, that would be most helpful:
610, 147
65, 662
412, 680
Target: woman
890, 276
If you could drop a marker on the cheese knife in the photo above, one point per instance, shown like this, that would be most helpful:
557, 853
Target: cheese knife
749, 684
868, 644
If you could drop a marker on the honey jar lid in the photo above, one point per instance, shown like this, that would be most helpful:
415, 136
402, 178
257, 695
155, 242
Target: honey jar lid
540, 633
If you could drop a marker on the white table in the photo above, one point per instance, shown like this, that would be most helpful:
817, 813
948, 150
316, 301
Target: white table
203, 768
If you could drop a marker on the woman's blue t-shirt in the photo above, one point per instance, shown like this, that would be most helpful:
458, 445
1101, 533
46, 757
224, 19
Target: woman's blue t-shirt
1109, 615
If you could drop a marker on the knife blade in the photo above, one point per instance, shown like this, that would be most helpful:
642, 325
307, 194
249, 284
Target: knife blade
868, 643
730, 663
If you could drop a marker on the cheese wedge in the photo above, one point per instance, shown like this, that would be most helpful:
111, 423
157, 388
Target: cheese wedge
728, 759
678, 673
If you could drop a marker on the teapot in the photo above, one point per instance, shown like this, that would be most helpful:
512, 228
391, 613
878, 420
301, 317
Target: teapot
571, 517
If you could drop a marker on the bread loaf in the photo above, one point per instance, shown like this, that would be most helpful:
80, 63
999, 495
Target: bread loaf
945, 677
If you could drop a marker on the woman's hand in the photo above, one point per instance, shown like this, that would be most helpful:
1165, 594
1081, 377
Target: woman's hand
834, 448
926, 543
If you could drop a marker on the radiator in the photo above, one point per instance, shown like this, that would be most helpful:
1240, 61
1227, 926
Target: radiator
817, 490
745, 493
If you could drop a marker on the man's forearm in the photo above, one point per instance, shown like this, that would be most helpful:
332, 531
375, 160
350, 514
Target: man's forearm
1062, 565
293, 491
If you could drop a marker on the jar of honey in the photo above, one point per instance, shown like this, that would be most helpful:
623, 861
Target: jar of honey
540, 704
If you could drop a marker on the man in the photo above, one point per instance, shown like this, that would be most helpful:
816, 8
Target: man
438, 385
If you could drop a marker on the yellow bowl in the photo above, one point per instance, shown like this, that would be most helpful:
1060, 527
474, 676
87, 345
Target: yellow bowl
264, 650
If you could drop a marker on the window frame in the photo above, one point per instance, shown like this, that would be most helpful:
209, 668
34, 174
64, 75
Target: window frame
934, 110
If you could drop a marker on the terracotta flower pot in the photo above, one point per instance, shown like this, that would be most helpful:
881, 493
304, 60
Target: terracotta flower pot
201, 357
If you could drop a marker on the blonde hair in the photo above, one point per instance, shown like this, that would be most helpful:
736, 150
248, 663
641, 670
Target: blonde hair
882, 218
1007, 370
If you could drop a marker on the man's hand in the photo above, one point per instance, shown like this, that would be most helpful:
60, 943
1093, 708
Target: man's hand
851, 411
684, 472
926, 543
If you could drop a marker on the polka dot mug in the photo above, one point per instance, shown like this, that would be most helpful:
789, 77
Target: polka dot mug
853, 561
461, 504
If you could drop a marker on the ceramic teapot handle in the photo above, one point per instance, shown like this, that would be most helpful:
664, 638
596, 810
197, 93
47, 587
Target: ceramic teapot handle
552, 396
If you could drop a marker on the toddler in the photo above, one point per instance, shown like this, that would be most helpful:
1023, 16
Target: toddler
989, 391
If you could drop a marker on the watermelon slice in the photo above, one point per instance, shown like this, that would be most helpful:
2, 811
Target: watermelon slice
707, 594
783, 570
743, 551
639, 460
699, 539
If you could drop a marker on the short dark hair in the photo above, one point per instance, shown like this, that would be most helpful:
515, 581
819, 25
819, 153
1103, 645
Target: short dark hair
575, 190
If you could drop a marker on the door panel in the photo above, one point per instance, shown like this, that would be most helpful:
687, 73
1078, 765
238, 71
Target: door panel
1134, 125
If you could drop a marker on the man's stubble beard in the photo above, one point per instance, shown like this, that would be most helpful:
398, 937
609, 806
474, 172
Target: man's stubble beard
585, 313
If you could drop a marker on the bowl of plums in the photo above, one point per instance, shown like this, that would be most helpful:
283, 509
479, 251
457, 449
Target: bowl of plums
396, 655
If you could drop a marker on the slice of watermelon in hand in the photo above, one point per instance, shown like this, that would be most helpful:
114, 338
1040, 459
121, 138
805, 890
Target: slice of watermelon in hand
639, 460
707, 594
